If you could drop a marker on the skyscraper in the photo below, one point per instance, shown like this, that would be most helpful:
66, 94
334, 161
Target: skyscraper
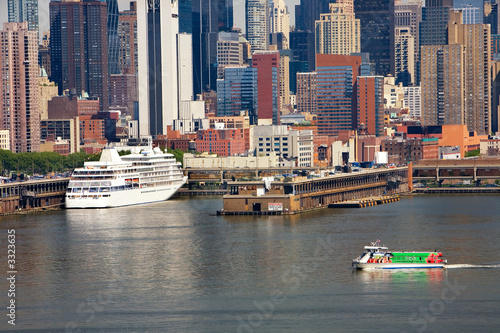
337, 32
442, 84
208, 19
472, 10
229, 51
237, 92
186, 16
336, 92
302, 45
113, 39
157, 28
435, 17
267, 65
404, 56
257, 24
492, 15
370, 104
407, 17
456, 78
79, 48
306, 92
19, 93
24, 11
307, 13
477, 86
280, 21
127, 35
376, 17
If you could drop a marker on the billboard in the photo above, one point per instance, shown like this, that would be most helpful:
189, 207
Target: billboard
275, 206
381, 157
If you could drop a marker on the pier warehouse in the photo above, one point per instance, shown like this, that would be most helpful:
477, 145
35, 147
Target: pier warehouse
292, 195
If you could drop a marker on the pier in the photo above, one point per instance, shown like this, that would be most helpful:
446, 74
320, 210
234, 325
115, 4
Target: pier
441, 190
441, 171
300, 193
33, 195
367, 202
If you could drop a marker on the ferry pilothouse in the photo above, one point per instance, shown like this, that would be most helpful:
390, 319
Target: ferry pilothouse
114, 181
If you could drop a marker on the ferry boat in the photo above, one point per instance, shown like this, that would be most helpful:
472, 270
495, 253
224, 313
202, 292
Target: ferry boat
115, 181
378, 256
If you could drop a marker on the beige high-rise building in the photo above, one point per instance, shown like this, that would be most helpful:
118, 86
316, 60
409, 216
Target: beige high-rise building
284, 80
338, 32
404, 56
442, 84
128, 60
477, 43
393, 93
19, 94
407, 17
279, 21
306, 92
48, 90
229, 51
456, 78
4, 140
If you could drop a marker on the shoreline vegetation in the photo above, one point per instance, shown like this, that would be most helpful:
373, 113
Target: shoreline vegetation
44, 163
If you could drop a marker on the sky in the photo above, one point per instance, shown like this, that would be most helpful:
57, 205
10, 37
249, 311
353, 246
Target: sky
43, 12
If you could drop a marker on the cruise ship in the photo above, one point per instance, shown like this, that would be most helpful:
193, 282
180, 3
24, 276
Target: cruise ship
115, 181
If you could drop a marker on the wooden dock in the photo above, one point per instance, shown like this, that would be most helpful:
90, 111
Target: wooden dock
366, 202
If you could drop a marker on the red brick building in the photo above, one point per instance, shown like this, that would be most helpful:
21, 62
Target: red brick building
402, 151
92, 130
68, 107
223, 142
123, 92
370, 104
267, 64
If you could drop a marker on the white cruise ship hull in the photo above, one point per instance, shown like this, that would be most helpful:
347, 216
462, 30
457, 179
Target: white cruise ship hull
122, 198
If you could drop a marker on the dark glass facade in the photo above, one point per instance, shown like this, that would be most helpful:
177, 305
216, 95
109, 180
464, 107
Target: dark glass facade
79, 49
113, 39
185, 16
336, 92
376, 17
209, 17
155, 79
435, 17
302, 45
24, 10
294, 68
308, 11
238, 92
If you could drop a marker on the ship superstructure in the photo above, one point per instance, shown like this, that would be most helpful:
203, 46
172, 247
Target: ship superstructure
115, 181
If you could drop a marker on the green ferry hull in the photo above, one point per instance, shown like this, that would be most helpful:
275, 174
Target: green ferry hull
379, 257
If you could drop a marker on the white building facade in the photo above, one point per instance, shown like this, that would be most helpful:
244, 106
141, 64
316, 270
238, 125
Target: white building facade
287, 144
279, 21
157, 29
413, 100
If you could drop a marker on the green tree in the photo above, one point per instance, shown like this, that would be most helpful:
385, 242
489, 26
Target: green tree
178, 154
42, 162
472, 153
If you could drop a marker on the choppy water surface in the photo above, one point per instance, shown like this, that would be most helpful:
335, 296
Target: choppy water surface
173, 267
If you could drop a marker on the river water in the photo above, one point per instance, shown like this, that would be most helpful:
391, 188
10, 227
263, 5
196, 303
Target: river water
175, 267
